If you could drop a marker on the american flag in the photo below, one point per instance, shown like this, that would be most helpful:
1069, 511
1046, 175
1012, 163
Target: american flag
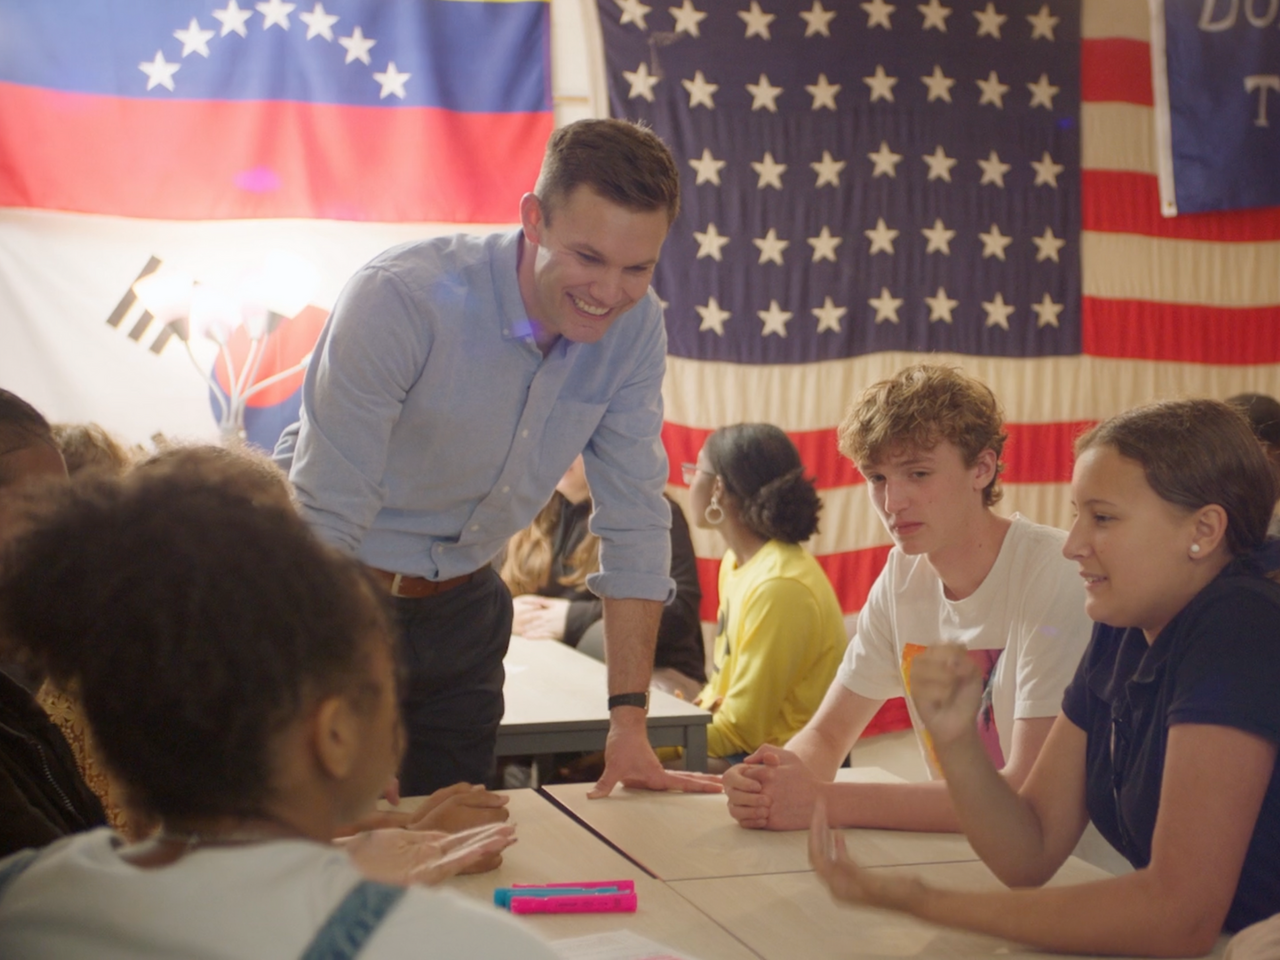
867, 182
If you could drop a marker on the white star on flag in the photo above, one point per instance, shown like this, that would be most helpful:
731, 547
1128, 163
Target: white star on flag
1047, 312
989, 21
886, 306
993, 91
935, 15
764, 95
823, 93
319, 22
775, 319
633, 11
392, 81
771, 247
940, 306
275, 13
769, 171
885, 161
878, 13
159, 72
938, 238
829, 315
881, 237
687, 18
817, 19
1046, 171
194, 40
994, 243
713, 317
708, 167
710, 242
757, 20
1042, 92
997, 311
881, 85
357, 46
1042, 25
232, 19
828, 169
1047, 246
938, 84
824, 245
700, 91
641, 82
939, 164
993, 170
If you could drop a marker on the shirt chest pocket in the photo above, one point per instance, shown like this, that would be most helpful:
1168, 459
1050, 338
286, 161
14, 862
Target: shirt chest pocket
569, 428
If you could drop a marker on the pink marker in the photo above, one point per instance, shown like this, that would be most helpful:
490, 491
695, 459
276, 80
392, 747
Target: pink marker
587, 903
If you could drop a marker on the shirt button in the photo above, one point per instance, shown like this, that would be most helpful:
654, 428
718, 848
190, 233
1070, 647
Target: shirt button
524, 433
506, 489
475, 526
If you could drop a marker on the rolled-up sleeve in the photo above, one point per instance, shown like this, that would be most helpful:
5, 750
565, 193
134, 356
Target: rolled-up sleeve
626, 469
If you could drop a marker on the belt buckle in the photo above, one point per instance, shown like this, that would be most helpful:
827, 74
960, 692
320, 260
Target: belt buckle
395, 585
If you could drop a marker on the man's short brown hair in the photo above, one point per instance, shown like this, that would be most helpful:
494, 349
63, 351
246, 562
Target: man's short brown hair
919, 407
624, 162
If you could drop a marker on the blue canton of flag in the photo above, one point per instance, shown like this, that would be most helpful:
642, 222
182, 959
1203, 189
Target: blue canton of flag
861, 176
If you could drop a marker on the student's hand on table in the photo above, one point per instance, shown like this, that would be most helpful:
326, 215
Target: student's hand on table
946, 688
459, 807
629, 760
849, 882
406, 857
773, 789
539, 618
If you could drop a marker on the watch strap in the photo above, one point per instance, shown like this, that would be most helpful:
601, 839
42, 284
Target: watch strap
630, 700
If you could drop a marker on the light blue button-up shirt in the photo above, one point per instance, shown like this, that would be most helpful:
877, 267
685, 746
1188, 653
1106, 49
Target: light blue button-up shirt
433, 428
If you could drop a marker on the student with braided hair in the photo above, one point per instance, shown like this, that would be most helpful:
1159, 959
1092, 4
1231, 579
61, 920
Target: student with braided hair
780, 630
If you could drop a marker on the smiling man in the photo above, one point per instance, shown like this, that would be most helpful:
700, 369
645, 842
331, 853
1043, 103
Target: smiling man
455, 382
928, 442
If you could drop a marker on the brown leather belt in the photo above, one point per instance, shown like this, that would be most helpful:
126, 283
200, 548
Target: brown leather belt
415, 588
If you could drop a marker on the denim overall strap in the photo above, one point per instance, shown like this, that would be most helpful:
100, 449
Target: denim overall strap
353, 921
12, 866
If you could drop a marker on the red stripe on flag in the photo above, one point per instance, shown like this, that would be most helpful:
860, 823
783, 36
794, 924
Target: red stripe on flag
1035, 453
213, 160
1116, 70
1123, 202
1145, 330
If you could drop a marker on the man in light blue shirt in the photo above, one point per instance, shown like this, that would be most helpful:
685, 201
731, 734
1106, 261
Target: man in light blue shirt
454, 383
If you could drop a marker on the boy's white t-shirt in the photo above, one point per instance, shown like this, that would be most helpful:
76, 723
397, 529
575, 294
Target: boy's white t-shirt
1025, 626
80, 901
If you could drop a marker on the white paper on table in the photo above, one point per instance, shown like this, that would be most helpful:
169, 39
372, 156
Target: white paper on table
615, 945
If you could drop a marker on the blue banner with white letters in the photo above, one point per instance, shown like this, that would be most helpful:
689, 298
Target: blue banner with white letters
1219, 107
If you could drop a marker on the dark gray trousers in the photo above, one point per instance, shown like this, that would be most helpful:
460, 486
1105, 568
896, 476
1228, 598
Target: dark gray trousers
453, 645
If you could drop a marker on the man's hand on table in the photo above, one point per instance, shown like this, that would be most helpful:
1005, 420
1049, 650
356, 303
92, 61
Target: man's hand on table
772, 789
629, 760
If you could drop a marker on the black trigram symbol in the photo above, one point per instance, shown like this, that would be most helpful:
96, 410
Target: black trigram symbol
144, 319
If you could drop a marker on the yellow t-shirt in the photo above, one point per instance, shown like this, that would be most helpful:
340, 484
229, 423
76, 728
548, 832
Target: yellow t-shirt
780, 637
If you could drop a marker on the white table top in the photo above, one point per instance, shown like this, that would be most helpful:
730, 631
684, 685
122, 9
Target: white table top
549, 682
784, 916
685, 836
552, 848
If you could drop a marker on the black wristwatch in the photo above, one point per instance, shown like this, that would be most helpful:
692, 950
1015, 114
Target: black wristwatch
630, 700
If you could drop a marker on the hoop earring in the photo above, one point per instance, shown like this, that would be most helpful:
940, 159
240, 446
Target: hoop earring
714, 508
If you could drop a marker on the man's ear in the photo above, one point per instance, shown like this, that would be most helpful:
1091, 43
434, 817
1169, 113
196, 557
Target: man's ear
532, 219
335, 737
